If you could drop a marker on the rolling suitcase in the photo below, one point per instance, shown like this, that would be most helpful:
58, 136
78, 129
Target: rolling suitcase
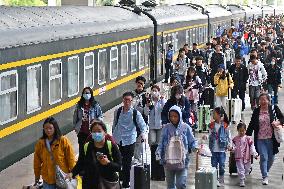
205, 178
140, 174
157, 170
234, 108
208, 96
203, 118
232, 164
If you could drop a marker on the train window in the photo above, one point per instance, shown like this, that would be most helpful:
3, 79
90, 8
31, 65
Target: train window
9, 96
102, 62
34, 88
141, 54
175, 38
55, 81
193, 36
133, 57
205, 34
186, 36
124, 60
190, 38
147, 52
89, 69
73, 76
113, 63
200, 33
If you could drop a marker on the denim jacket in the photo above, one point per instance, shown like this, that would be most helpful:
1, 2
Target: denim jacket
95, 112
170, 130
154, 112
214, 136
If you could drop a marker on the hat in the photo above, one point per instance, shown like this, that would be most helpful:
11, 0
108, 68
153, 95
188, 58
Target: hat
221, 66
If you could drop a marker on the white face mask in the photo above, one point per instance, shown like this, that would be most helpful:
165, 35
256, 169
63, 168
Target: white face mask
273, 63
178, 96
155, 94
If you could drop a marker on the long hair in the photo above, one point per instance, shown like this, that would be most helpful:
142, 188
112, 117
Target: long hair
57, 133
222, 113
82, 99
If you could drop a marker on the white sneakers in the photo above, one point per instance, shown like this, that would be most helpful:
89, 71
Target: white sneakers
242, 183
220, 182
265, 181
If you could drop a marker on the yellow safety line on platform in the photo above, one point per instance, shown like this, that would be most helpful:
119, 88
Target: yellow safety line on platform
27, 122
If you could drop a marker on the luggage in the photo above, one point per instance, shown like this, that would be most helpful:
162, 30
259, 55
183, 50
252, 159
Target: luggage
208, 97
157, 170
234, 108
232, 164
140, 175
203, 118
205, 177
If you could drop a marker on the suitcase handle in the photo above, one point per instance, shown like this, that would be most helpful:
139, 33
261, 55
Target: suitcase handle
145, 148
197, 161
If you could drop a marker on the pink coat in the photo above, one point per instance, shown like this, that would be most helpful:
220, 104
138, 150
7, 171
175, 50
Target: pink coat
243, 148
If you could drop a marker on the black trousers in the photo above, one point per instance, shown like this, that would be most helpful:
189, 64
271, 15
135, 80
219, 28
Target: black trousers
169, 71
127, 152
242, 93
82, 137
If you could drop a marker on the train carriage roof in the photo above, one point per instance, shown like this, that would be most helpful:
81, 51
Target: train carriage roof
32, 25
235, 9
175, 13
252, 9
216, 11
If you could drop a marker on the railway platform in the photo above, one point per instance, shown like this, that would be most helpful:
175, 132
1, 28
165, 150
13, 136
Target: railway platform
21, 173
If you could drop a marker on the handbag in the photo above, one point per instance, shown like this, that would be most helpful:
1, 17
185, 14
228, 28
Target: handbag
59, 174
278, 129
105, 184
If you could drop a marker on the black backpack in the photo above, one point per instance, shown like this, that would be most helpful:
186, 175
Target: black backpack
134, 115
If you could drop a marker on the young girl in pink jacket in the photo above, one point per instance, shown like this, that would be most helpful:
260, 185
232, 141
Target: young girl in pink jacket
243, 148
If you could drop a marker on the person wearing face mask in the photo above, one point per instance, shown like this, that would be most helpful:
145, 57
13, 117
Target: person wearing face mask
155, 106
100, 160
223, 82
177, 98
86, 110
273, 79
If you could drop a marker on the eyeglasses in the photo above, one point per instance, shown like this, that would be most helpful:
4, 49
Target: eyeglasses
140, 83
127, 100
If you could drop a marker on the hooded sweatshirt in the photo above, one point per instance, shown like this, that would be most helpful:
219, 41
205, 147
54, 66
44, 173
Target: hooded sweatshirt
170, 130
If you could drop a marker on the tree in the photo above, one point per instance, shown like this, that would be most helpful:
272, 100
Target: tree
25, 2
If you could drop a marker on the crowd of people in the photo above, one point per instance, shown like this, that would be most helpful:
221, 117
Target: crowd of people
165, 120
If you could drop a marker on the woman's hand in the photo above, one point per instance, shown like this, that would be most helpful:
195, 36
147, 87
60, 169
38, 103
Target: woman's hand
103, 160
275, 124
68, 176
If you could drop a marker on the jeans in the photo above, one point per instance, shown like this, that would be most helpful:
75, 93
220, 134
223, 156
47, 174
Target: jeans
265, 149
254, 92
127, 153
154, 136
181, 77
48, 186
176, 179
275, 90
169, 71
219, 158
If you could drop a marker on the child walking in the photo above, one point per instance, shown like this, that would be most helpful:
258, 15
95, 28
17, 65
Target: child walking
219, 141
243, 148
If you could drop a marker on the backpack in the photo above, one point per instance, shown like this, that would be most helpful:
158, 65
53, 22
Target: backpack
175, 152
134, 115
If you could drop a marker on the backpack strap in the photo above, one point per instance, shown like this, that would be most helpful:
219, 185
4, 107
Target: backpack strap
86, 148
118, 114
109, 147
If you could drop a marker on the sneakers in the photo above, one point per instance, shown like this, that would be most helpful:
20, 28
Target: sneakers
220, 183
265, 181
242, 183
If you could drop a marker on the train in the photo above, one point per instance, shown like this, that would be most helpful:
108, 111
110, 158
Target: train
49, 54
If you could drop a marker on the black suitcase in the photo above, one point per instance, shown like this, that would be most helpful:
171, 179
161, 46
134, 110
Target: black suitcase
140, 175
157, 170
208, 97
232, 164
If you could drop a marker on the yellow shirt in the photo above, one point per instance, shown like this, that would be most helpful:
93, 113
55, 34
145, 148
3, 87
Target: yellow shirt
222, 84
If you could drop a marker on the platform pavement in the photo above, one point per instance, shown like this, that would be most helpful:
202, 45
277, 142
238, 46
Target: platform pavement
21, 173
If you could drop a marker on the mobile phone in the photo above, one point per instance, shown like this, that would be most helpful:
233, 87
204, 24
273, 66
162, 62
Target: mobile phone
99, 155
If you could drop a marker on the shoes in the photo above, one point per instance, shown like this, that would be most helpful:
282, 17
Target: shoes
136, 161
220, 183
242, 183
265, 181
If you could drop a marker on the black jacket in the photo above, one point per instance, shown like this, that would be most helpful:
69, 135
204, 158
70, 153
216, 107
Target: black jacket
239, 76
202, 74
254, 126
93, 169
273, 75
